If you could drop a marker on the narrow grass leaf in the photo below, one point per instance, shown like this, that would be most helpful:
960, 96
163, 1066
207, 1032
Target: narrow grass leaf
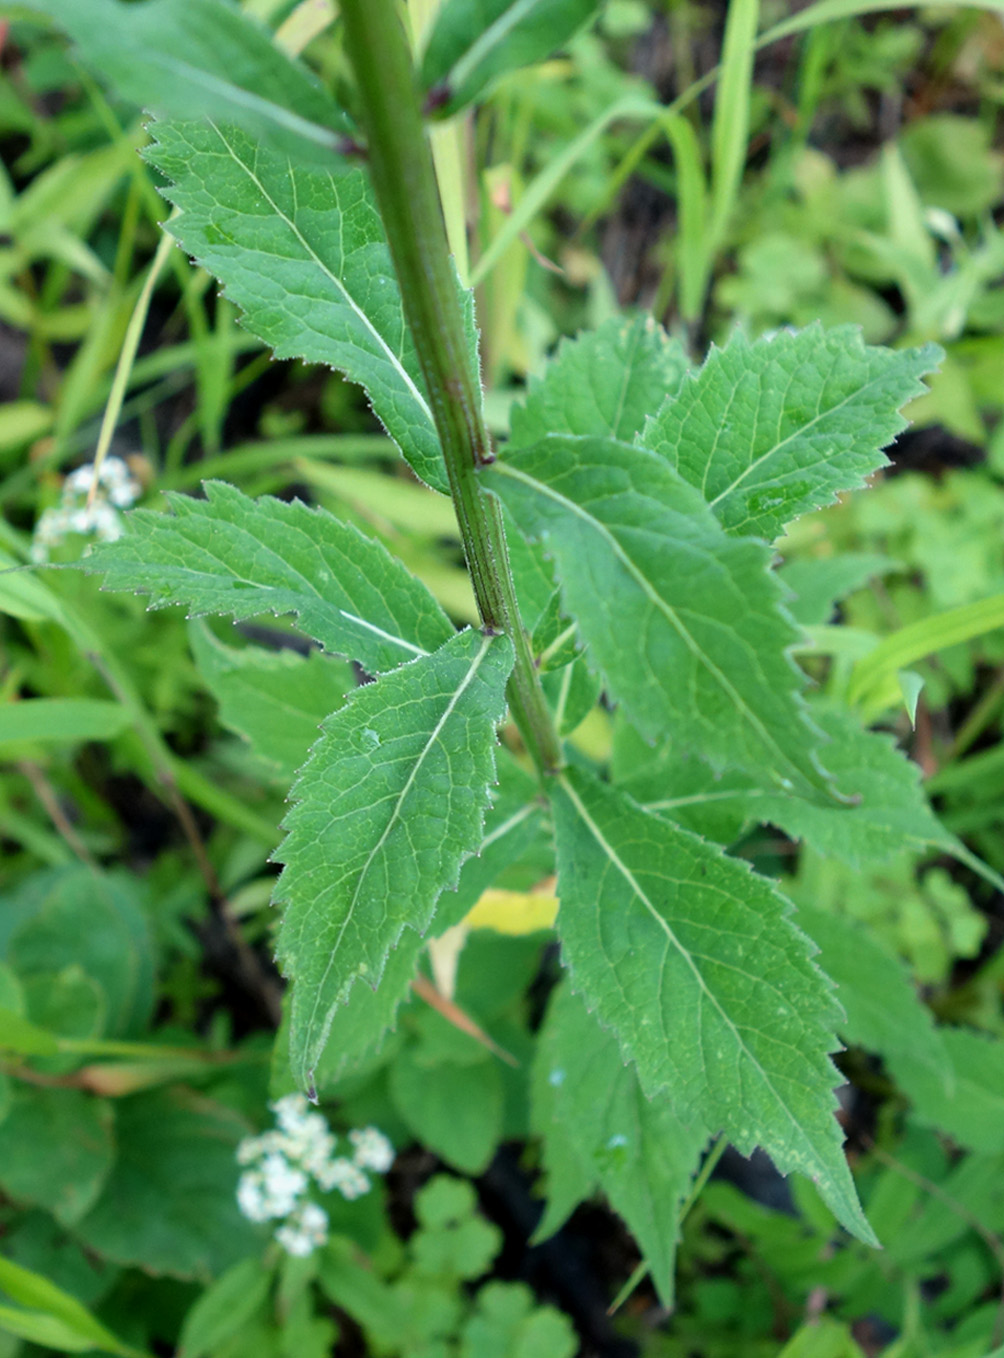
387, 807
237, 557
596, 1122
681, 619
696, 966
770, 429
301, 251
473, 42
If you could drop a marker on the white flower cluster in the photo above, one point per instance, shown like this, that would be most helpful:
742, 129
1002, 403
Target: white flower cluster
283, 1164
116, 489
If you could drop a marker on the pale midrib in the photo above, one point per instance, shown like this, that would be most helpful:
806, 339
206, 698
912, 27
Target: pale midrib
801, 432
392, 820
635, 886
493, 35
312, 254
242, 98
671, 615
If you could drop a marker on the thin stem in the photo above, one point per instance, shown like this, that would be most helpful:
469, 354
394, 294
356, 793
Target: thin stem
404, 180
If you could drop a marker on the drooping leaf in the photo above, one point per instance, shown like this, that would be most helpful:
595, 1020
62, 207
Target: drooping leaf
679, 618
389, 804
302, 252
475, 41
276, 700
885, 810
769, 429
360, 1024
594, 1119
238, 557
202, 58
883, 1011
169, 1205
605, 383
970, 1107
696, 966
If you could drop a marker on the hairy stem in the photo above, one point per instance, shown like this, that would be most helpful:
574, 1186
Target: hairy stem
405, 184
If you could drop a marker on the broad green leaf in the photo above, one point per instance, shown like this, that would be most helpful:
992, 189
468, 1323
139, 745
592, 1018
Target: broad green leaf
276, 700
681, 620
302, 252
884, 810
389, 804
238, 557
202, 58
169, 1205
57, 1147
772, 428
590, 1110
83, 1330
224, 1308
883, 1011
696, 966
605, 383
20, 1035
971, 1108
511, 826
819, 583
474, 41
508, 1322
453, 1108
59, 721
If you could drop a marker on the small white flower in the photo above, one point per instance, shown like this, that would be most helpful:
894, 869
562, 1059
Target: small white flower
348, 1178
290, 1111
251, 1197
303, 1233
283, 1184
372, 1149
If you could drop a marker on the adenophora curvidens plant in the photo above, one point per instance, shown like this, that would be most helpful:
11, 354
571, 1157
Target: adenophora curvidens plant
620, 542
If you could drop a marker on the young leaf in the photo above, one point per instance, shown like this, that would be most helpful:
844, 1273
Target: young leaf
680, 619
695, 965
605, 383
771, 429
276, 700
202, 58
884, 812
302, 252
389, 804
594, 1118
475, 41
238, 557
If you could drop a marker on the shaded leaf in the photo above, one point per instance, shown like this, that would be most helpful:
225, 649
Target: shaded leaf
474, 41
302, 252
202, 58
593, 1115
970, 1109
772, 428
819, 583
57, 1147
240, 558
680, 619
696, 966
389, 804
454, 1109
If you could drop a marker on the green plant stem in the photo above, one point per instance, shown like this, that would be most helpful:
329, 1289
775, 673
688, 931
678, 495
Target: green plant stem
405, 184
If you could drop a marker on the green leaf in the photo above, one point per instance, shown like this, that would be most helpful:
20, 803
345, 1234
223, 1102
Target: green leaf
389, 804
169, 1205
202, 58
883, 1011
771, 429
18, 1034
971, 1108
302, 252
819, 583
680, 619
475, 41
224, 1308
59, 721
592, 1113
452, 1108
884, 812
507, 1323
217, 556
56, 1150
276, 700
81, 1329
696, 966
604, 383
511, 826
